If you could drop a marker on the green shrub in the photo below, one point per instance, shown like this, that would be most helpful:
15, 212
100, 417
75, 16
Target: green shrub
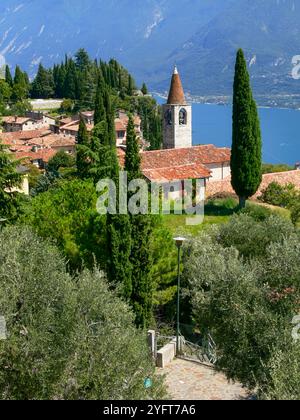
278, 195
251, 237
258, 213
295, 211
268, 168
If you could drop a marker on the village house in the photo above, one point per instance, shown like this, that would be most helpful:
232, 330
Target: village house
42, 120
12, 124
180, 160
38, 158
70, 126
31, 121
54, 141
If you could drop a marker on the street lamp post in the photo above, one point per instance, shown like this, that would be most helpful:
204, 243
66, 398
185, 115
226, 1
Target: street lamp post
179, 242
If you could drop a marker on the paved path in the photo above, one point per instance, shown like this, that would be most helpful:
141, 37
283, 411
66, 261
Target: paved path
192, 381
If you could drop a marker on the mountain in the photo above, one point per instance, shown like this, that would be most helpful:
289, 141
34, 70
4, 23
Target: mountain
269, 33
149, 36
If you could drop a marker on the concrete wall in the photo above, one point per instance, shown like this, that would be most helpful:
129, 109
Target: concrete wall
175, 135
24, 188
166, 355
220, 171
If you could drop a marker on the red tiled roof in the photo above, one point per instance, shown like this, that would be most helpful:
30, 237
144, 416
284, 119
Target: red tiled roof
121, 123
192, 171
74, 127
54, 140
204, 155
16, 120
63, 142
24, 135
20, 148
43, 154
174, 164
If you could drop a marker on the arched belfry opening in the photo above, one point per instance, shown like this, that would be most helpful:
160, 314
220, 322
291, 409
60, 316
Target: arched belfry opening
182, 116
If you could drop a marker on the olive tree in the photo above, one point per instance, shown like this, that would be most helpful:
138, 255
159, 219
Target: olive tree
67, 337
245, 290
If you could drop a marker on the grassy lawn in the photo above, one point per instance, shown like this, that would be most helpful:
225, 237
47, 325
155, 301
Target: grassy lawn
216, 212
177, 224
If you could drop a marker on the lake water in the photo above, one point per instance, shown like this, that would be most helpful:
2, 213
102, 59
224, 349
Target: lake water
280, 130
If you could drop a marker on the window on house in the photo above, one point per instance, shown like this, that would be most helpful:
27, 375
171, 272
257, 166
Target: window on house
182, 117
121, 134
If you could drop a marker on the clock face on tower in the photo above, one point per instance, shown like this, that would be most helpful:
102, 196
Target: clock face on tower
168, 117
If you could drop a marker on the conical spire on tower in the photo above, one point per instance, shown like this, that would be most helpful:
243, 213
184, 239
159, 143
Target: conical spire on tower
176, 94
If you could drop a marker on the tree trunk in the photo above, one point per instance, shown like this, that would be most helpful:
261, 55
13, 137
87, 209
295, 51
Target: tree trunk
242, 202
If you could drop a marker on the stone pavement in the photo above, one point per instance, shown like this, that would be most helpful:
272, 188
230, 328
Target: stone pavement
192, 381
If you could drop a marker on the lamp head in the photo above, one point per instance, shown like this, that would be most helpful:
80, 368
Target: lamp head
179, 241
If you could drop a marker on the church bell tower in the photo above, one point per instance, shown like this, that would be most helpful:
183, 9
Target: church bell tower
177, 117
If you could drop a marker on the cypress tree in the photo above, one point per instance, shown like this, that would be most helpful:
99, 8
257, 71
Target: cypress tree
82, 151
83, 136
144, 89
70, 82
8, 76
110, 118
19, 76
119, 242
100, 113
132, 157
141, 229
246, 156
130, 86
43, 84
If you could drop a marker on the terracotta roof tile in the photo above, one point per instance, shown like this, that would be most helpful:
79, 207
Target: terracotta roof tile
174, 164
16, 120
24, 135
204, 155
43, 154
193, 171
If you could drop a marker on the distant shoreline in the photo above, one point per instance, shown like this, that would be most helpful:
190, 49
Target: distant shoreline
283, 102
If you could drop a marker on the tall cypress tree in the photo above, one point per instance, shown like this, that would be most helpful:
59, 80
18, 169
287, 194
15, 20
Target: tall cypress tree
82, 151
8, 76
130, 86
100, 113
246, 156
141, 228
43, 84
70, 82
110, 118
119, 242
132, 157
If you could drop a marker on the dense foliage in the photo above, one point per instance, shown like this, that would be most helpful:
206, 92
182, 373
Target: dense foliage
65, 335
67, 214
77, 80
243, 282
